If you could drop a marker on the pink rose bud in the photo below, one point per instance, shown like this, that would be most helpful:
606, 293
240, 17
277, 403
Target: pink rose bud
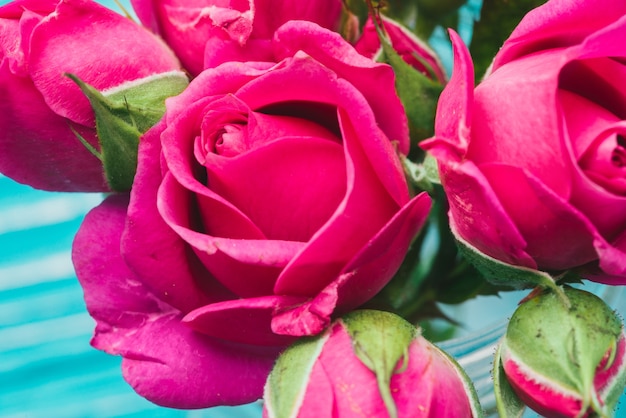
43, 112
412, 49
368, 364
565, 361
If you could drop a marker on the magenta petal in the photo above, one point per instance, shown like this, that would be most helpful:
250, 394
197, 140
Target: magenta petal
38, 146
477, 215
312, 316
604, 43
173, 366
380, 258
164, 360
187, 27
270, 14
454, 109
558, 235
153, 250
248, 267
429, 379
333, 52
242, 320
586, 122
353, 383
345, 233
611, 255
612, 261
558, 24
101, 47
319, 400
145, 11
218, 51
531, 96
225, 79
103, 273
303, 80
276, 201
362, 278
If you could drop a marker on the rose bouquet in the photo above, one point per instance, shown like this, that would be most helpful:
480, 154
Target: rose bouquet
293, 190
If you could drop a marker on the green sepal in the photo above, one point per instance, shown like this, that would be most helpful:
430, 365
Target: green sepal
501, 273
418, 93
508, 403
123, 115
568, 340
424, 175
287, 382
380, 340
613, 393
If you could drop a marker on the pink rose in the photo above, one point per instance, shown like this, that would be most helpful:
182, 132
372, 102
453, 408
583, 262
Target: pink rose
327, 377
206, 33
39, 42
413, 50
534, 160
269, 199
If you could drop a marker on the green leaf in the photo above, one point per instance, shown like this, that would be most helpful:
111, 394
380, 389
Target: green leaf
380, 340
123, 115
507, 402
500, 273
287, 383
418, 93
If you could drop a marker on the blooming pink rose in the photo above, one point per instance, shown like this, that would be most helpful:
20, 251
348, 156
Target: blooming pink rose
534, 160
206, 33
413, 50
40, 40
268, 199
337, 383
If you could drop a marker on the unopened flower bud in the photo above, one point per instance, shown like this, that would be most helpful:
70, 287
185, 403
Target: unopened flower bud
565, 359
372, 364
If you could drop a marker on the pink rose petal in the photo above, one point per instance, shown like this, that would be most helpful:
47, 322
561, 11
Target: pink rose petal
183, 370
558, 24
243, 320
53, 53
375, 81
165, 265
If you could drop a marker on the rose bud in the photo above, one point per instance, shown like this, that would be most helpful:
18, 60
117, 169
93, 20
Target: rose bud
43, 112
368, 364
565, 359
413, 50
206, 33
534, 159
